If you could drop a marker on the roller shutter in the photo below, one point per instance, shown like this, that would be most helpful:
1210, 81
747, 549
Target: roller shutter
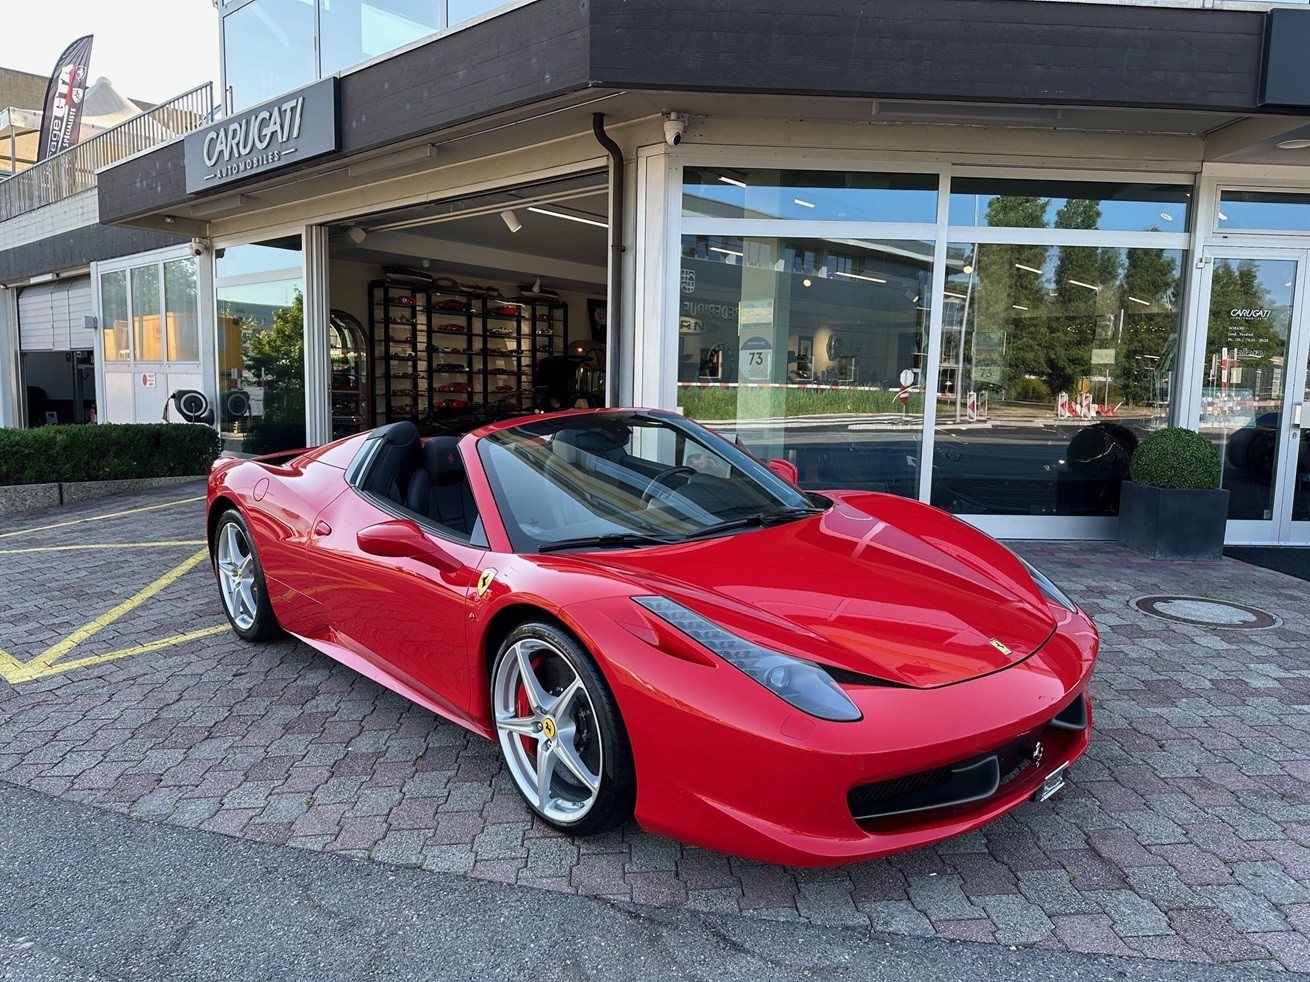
51, 316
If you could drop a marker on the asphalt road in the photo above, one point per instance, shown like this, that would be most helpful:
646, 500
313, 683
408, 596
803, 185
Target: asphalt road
87, 894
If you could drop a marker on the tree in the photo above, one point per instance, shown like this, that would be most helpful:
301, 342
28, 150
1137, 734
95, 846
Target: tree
276, 360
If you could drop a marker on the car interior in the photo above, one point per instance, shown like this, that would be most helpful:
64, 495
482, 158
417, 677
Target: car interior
426, 480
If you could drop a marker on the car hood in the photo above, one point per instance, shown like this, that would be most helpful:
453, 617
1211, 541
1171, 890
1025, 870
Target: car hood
877, 585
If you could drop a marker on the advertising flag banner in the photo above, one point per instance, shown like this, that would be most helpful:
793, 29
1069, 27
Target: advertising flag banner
62, 119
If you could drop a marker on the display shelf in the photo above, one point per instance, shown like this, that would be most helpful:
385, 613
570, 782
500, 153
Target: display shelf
463, 344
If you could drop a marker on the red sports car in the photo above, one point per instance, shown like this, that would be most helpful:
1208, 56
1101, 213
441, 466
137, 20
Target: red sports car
649, 620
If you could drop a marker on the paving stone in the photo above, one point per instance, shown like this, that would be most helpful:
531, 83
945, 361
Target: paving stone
897, 917
1016, 920
941, 898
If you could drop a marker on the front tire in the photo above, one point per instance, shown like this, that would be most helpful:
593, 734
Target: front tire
560, 732
241, 580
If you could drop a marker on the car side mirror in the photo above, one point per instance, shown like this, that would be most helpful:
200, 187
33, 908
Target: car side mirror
785, 469
403, 539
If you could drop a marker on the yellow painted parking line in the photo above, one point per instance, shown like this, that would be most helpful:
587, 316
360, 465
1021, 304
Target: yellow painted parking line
14, 671
31, 672
106, 545
97, 518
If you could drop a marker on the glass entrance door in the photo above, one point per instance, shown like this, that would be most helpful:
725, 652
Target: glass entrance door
1253, 387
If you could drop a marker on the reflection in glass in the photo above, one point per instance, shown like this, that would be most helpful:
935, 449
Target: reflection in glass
146, 326
268, 49
182, 313
831, 196
798, 346
1272, 211
1245, 376
1009, 203
113, 316
261, 349
1055, 361
354, 31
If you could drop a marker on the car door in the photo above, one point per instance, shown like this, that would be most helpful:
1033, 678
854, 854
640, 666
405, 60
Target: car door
407, 615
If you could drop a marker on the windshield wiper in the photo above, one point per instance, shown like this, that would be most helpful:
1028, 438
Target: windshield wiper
759, 519
610, 540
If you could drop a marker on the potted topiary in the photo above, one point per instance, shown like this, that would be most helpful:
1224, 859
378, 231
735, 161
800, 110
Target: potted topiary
1172, 506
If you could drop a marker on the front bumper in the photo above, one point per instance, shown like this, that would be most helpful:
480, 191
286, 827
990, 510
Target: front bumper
722, 763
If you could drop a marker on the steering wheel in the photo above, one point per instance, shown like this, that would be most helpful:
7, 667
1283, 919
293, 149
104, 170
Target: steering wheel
659, 479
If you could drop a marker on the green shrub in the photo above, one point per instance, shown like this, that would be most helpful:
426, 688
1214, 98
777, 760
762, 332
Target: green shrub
1026, 389
107, 452
1176, 459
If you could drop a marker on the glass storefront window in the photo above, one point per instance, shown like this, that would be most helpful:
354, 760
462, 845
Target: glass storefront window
146, 327
181, 312
1265, 211
831, 196
268, 49
1009, 203
113, 316
1245, 376
261, 347
799, 346
1056, 360
354, 31
462, 10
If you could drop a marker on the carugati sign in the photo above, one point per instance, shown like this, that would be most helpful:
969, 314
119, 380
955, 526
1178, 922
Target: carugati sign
298, 126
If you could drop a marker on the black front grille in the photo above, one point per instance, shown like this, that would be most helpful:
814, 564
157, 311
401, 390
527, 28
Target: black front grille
966, 781
844, 676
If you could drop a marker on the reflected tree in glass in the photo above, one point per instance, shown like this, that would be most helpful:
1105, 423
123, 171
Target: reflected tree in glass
275, 360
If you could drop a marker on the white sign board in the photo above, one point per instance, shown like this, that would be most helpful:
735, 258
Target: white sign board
907, 377
756, 363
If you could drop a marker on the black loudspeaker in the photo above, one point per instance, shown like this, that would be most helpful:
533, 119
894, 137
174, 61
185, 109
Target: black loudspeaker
193, 405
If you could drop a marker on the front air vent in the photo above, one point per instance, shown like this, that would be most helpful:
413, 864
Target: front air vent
844, 676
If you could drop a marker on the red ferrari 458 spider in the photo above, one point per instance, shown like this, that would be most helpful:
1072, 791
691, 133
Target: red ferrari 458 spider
650, 621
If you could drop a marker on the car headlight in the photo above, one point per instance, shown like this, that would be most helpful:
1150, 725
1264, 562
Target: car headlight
800, 683
1049, 590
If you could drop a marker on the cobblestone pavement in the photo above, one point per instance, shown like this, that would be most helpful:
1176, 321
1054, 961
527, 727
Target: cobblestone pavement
1183, 835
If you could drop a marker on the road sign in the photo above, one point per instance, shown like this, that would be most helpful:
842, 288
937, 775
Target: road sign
973, 407
907, 377
904, 396
756, 359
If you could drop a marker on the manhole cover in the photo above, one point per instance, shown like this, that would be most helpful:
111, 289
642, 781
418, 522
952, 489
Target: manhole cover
1211, 613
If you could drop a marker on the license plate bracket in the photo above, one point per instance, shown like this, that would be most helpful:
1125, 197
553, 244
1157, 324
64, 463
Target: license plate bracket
1052, 784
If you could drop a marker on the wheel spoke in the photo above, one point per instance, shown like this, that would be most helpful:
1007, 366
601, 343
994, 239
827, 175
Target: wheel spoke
545, 771
567, 755
538, 697
563, 703
246, 591
523, 725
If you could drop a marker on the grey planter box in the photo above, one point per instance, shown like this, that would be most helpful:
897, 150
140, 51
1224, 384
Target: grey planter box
1178, 525
18, 498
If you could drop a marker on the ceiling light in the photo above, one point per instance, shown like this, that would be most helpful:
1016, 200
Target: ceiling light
1166, 216
1294, 144
1223, 217
511, 220
1085, 286
857, 276
1144, 303
807, 281
356, 234
732, 180
956, 296
727, 252
968, 269
1028, 269
1017, 307
569, 218
803, 204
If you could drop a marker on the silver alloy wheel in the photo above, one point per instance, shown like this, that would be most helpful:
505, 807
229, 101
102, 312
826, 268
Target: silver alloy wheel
561, 773
236, 575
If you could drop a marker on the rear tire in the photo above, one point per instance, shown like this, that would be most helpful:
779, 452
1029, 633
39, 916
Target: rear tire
241, 581
587, 784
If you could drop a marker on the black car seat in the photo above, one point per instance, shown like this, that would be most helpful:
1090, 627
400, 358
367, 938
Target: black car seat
440, 490
401, 455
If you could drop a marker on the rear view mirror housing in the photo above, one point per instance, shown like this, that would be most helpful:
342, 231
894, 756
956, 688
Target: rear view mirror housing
785, 469
403, 539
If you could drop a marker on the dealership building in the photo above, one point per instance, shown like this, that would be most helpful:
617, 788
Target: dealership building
967, 251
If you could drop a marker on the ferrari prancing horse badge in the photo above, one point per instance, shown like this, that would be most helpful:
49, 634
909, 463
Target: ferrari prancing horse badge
485, 580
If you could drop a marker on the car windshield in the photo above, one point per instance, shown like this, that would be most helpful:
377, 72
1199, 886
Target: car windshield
628, 479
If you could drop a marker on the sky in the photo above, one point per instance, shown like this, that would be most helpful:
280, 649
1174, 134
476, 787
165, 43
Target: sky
149, 49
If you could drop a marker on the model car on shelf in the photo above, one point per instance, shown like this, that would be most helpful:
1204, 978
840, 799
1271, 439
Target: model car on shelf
448, 349
506, 310
649, 621
450, 303
407, 339
450, 366
410, 392
501, 332
453, 404
455, 387
451, 329
503, 388
405, 408
406, 301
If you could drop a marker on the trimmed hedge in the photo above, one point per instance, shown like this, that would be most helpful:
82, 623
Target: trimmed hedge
1176, 459
106, 452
